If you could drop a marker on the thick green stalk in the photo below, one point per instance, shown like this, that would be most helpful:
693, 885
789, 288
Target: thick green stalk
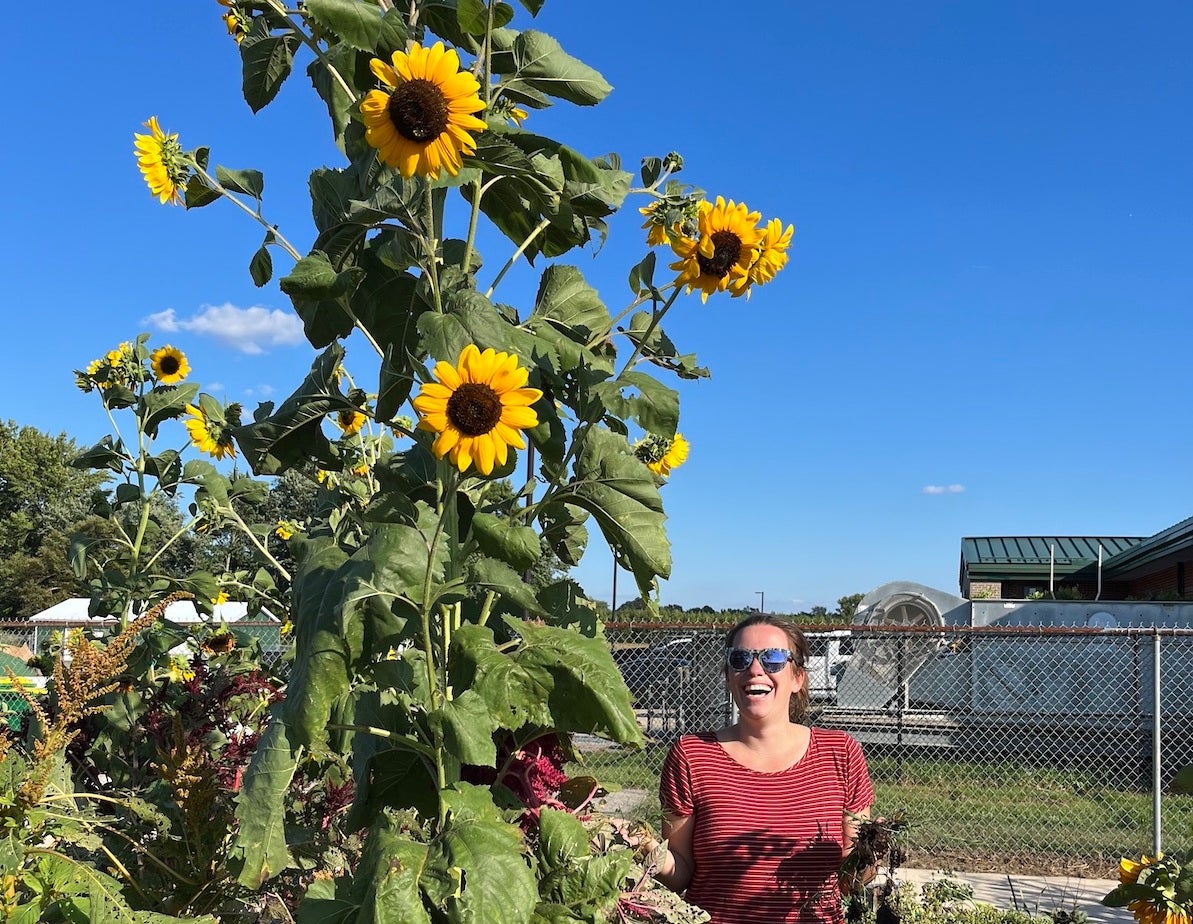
538, 229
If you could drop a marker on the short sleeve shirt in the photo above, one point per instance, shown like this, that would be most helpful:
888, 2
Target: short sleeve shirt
766, 846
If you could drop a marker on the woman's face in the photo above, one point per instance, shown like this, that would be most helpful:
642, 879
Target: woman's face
758, 694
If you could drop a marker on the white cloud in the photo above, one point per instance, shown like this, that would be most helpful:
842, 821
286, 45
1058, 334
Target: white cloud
944, 489
261, 391
249, 330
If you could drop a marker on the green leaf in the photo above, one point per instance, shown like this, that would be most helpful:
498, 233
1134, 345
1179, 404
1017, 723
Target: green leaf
166, 467
106, 454
642, 274
568, 607
564, 530
393, 34
320, 673
259, 849
655, 407
247, 182
490, 574
358, 24
532, 6
266, 61
1127, 892
199, 194
293, 433
517, 546
261, 266
539, 62
467, 729
621, 494
165, 402
652, 169
316, 288
472, 15
569, 303
497, 885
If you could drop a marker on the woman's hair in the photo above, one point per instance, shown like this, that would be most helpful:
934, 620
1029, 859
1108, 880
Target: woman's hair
799, 648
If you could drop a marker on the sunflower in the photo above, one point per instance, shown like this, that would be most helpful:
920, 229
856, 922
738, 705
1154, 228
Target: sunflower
162, 163
656, 231
1129, 870
285, 529
350, 421
233, 20
220, 598
772, 252
478, 407
421, 123
720, 257
169, 365
220, 642
661, 454
179, 669
208, 433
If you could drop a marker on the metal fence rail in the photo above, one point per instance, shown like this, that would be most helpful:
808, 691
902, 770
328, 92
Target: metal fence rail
1037, 749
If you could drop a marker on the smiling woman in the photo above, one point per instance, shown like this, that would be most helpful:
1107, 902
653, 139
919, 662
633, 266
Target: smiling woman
759, 815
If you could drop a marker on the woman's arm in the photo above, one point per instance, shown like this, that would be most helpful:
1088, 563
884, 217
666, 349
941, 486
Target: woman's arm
675, 871
850, 822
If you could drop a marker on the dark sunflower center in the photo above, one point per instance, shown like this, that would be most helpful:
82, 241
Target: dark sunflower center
474, 409
726, 248
169, 365
418, 111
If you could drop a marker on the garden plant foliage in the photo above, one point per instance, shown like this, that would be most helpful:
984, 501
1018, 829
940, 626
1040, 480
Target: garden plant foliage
410, 769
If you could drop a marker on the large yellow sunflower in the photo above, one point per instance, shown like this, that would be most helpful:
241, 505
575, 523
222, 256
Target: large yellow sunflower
661, 454
169, 365
720, 257
421, 124
209, 434
478, 407
162, 163
772, 252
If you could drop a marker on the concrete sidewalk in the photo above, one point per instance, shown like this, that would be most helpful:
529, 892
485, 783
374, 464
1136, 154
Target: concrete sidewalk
1034, 894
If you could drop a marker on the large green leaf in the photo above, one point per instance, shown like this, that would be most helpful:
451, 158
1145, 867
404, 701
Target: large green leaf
565, 532
358, 24
107, 453
571, 875
623, 497
655, 407
317, 289
467, 729
490, 574
497, 885
259, 846
266, 60
293, 433
537, 61
320, 674
570, 304
165, 402
517, 546
555, 678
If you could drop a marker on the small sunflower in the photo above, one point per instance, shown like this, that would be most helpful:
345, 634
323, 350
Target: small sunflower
179, 669
162, 163
772, 252
350, 421
720, 256
421, 123
169, 365
478, 407
656, 231
210, 430
285, 530
233, 20
220, 642
661, 454
220, 599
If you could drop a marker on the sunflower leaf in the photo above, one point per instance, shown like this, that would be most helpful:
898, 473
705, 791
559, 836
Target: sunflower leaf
472, 15
537, 60
259, 849
571, 305
621, 494
565, 532
261, 266
247, 182
107, 453
199, 194
358, 24
517, 546
655, 407
165, 402
491, 574
532, 6
266, 60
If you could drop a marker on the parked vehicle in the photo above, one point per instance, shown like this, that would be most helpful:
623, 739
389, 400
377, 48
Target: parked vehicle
829, 654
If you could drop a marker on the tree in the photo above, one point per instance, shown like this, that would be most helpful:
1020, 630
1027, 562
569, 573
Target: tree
847, 606
43, 499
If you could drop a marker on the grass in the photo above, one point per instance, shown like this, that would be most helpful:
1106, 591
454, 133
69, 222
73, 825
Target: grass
994, 816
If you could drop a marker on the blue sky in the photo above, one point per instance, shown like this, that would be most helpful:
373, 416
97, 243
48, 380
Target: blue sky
983, 329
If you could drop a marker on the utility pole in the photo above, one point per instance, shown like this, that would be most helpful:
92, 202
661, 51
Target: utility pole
762, 601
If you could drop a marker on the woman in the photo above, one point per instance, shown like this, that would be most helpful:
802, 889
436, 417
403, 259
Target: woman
759, 815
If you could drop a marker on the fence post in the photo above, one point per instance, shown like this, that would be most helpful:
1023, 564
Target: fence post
1156, 756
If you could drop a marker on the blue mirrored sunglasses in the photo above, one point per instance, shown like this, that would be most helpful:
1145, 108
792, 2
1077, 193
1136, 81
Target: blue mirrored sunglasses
772, 659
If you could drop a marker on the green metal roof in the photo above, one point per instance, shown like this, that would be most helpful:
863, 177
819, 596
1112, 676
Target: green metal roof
993, 557
1176, 538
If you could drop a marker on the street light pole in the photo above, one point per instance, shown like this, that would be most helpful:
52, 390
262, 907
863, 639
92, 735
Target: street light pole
762, 601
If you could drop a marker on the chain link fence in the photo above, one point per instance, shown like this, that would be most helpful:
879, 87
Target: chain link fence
1008, 749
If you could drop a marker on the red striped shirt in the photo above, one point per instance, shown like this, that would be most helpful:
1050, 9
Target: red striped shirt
766, 846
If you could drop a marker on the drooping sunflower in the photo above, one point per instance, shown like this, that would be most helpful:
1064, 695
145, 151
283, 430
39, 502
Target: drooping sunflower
349, 420
210, 434
169, 365
478, 407
772, 252
656, 231
421, 123
219, 642
720, 256
233, 21
162, 163
661, 454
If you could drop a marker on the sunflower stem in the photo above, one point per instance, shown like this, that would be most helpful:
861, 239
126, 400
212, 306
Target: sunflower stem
538, 229
218, 187
656, 316
257, 544
486, 608
432, 246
